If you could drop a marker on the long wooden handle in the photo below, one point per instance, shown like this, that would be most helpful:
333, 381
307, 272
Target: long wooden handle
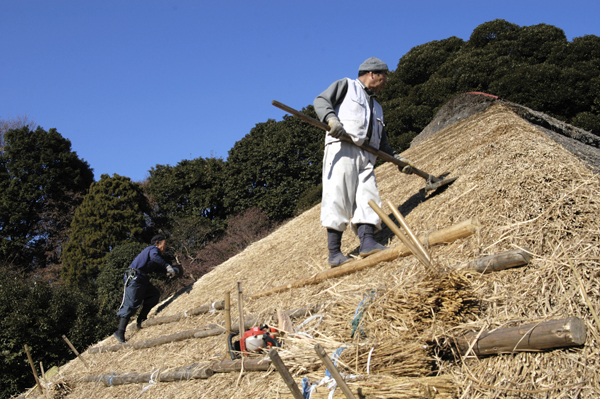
383, 155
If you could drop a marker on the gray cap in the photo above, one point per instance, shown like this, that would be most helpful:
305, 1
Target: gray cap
373, 64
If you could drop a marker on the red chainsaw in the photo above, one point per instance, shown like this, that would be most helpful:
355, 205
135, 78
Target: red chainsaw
254, 340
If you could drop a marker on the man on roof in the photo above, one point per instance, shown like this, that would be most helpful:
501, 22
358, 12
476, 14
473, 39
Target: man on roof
138, 289
350, 108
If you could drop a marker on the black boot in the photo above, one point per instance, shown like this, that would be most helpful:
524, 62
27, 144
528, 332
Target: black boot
334, 243
120, 333
368, 245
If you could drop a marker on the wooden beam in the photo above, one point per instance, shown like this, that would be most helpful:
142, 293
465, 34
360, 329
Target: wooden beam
533, 337
194, 373
500, 261
219, 305
449, 234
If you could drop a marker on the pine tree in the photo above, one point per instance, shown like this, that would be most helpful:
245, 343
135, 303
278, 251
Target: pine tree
114, 212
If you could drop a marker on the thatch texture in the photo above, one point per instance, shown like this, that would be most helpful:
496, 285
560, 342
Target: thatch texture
526, 190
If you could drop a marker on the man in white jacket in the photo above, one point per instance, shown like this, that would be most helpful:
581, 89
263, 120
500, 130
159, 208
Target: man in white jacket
351, 109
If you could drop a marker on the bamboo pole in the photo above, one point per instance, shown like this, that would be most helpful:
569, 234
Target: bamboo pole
201, 332
220, 305
449, 234
241, 309
45, 381
533, 337
75, 351
500, 261
409, 232
285, 374
227, 319
333, 371
37, 380
405, 240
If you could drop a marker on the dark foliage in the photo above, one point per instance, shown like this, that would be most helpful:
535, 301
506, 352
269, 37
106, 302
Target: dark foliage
41, 183
35, 313
114, 212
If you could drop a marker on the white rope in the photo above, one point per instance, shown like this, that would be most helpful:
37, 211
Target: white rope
151, 383
212, 307
369, 360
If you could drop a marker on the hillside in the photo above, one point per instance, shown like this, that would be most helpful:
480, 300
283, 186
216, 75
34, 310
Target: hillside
524, 188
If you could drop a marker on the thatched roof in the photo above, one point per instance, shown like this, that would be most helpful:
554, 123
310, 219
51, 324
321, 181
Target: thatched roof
525, 189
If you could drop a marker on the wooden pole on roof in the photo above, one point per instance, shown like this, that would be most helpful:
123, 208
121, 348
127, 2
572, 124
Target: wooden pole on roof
533, 337
37, 380
499, 261
333, 371
285, 374
227, 319
449, 234
75, 351
241, 309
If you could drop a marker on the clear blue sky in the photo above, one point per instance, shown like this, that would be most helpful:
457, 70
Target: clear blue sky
138, 83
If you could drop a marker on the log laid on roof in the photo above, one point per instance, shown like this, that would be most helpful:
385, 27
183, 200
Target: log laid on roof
526, 338
192, 373
449, 234
219, 305
202, 332
499, 261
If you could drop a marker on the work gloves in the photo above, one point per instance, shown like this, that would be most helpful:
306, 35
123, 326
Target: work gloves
337, 130
404, 169
172, 271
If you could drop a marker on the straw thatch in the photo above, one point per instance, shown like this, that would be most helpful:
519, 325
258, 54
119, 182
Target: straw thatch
526, 190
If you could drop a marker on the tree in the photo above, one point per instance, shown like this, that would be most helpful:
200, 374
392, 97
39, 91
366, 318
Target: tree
36, 313
272, 166
41, 182
114, 212
188, 202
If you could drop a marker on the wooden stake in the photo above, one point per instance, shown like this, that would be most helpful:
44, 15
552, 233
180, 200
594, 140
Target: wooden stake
37, 380
449, 234
285, 374
75, 351
241, 309
499, 261
409, 232
333, 371
227, 319
527, 338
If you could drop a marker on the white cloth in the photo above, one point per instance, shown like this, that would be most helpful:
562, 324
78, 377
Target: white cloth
348, 185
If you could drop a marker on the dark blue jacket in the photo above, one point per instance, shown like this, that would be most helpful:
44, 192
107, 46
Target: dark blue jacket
149, 260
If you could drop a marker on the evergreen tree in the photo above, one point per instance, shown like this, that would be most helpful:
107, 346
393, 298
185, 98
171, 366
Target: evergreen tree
273, 166
41, 182
113, 213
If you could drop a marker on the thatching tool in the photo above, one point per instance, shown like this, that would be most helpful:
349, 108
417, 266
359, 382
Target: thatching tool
410, 241
432, 182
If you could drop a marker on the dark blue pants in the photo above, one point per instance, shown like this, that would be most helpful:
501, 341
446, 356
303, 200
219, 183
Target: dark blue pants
138, 292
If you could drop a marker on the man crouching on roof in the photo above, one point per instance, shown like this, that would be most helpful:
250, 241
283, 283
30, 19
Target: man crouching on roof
138, 288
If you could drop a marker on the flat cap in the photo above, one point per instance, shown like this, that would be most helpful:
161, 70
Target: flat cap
373, 64
157, 239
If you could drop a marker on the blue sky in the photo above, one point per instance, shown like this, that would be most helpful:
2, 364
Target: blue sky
136, 83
